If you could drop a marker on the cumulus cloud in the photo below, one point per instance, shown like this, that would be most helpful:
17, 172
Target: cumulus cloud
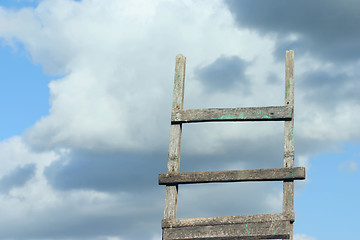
17, 177
325, 29
105, 138
96, 156
226, 73
303, 237
323, 36
349, 166
110, 54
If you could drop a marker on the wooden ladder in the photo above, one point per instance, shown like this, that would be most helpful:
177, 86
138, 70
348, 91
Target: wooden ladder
263, 226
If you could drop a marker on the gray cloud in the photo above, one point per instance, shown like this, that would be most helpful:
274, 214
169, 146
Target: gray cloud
17, 177
328, 89
326, 29
77, 220
272, 78
227, 199
224, 74
106, 172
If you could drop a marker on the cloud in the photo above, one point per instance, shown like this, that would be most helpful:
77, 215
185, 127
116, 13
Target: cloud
106, 172
325, 29
303, 237
328, 89
229, 199
80, 213
349, 166
224, 74
105, 139
98, 152
17, 178
114, 73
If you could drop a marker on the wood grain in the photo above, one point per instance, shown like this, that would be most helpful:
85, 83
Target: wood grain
289, 150
190, 222
171, 192
251, 230
271, 113
273, 174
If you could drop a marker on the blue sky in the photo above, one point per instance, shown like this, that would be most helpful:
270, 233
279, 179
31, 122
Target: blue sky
86, 89
24, 92
330, 194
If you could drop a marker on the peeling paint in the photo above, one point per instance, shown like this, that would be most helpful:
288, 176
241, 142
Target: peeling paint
266, 116
257, 112
227, 117
247, 230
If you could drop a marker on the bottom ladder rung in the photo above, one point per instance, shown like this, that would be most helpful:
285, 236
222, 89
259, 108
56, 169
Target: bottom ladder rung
221, 229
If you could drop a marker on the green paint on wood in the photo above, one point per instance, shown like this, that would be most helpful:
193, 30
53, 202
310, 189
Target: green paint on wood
257, 112
242, 116
227, 117
266, 116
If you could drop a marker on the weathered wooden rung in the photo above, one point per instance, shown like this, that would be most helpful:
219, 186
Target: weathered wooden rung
277, 113
266, 226
253, 218
272, 174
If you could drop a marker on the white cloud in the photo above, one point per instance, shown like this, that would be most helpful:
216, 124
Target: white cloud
43, 212
156, 237
116, 62
114, 238
14, 152
303, 237
349, 166
117, 59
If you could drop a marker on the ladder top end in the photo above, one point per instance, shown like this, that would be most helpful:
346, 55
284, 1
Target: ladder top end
180, 56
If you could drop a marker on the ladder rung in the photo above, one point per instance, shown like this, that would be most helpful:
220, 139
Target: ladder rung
277, 113
190, 222
272, 174
266, 226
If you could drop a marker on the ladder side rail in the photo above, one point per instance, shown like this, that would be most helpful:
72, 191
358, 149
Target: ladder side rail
171, 192
288, 186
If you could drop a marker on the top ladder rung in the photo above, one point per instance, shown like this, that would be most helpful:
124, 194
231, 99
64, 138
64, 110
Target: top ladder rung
276, 113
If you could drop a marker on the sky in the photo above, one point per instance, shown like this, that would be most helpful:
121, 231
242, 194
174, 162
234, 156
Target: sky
85, 102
